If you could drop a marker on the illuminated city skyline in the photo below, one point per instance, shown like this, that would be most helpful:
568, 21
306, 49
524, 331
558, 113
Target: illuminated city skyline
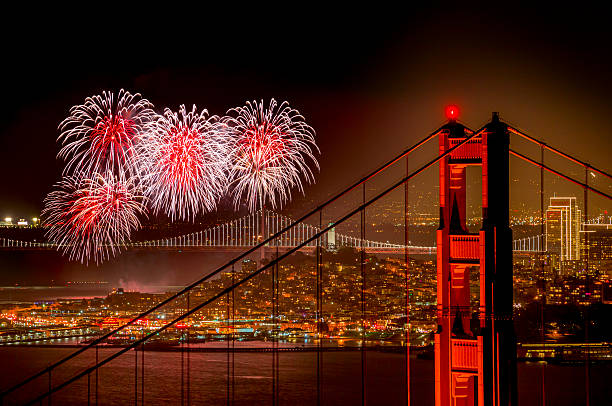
428, 223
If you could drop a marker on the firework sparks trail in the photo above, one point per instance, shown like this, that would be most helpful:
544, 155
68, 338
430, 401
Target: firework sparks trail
100, 135
270, 153
91, 218
183, 157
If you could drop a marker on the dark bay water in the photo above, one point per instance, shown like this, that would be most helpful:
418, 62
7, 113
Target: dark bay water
28, 294
341, 379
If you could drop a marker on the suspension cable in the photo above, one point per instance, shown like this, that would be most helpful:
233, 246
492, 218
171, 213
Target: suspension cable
559, 152
257, 272
577, 182
407, 281
232, 261
319, 311
587, 322
362, 259
543, 294
233, 337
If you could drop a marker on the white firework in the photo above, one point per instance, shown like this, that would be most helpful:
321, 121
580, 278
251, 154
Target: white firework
272, 149
92, 218
183, 158
100, 135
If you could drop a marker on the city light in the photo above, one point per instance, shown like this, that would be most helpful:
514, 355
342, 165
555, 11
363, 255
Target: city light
294, 210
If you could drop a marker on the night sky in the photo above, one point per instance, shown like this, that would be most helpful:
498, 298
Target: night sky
371, 82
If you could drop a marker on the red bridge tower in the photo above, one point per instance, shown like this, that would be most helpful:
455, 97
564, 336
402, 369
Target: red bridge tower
475, 346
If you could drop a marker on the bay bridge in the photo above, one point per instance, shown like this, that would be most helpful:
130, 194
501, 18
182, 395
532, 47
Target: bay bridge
475, 354
246, 232
249, 230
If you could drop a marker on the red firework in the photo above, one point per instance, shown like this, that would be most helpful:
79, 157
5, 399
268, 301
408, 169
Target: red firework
183, 159
112, 136
264, 144
271, 153
101, 134
92, 217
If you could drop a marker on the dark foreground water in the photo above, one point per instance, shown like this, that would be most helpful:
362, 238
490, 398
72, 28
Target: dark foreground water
341, 380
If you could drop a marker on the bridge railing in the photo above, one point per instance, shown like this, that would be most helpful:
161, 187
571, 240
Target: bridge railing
168, 315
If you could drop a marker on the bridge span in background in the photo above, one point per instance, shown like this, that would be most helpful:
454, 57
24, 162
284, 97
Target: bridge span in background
246, 232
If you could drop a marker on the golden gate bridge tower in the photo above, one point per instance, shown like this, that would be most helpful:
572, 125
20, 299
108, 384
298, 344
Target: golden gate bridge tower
475, 357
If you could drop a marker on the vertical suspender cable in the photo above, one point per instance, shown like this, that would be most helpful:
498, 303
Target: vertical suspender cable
233, 331
273, 332
187, 321
543, 294
183, 360
318, 317
136, 378
363, 334
227, 338
97, 375
588, 294
406, 282
276, 330
142, 370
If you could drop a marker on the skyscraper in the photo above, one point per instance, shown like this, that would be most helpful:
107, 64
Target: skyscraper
563, 219
331, 238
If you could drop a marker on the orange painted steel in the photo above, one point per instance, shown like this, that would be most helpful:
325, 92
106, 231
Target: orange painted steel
474, 365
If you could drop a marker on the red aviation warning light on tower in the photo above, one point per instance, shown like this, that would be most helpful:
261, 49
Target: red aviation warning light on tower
452, 112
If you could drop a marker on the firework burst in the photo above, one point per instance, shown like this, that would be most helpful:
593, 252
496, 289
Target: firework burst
100, 135
183, 158
271, 150
91, 218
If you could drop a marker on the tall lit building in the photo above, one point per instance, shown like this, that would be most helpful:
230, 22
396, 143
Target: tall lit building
331, 238
597, 241
563, 219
